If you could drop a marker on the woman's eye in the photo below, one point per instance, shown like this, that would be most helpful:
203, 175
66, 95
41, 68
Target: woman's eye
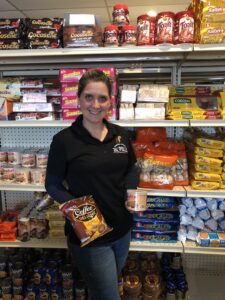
88, 97
102, 99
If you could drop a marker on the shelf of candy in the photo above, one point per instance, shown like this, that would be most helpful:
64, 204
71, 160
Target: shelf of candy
159, 223
209, 21
206, 159
11, 34
29, 99
202, 221
35, 274
43, 33
144, 102
69, 85
39, 219
195, 103
162, 162
23, 166
145, 276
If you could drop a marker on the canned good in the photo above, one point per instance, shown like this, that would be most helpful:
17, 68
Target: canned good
129, 35
22, 175
3, 156
120, 14
8, 173
136, 200
111, 37
145, 30
184, 27
165, 23
41, 226
37, 176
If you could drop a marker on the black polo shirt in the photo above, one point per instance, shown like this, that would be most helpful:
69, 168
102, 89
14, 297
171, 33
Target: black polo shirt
98, 168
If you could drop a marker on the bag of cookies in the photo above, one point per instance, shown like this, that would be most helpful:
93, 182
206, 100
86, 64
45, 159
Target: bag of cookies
85, 217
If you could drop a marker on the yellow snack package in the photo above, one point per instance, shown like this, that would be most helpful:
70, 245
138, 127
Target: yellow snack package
206, 160
205, 168
223, 175
205, 176
210, 143
222, 184
215, 153
205, 185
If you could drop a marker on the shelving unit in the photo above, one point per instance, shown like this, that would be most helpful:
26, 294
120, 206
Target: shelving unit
205, 267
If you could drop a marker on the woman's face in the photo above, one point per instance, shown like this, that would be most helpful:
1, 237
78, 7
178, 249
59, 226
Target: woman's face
94, 101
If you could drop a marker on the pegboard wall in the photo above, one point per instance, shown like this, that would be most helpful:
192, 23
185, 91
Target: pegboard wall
211, 263
28, 136
11, 199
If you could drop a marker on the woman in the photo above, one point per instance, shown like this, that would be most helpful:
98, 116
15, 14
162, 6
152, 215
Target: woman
95, 158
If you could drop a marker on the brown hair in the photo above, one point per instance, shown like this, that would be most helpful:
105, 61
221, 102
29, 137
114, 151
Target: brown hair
94, 76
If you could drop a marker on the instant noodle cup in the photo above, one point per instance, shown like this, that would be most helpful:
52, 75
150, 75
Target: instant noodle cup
86, 218
136, 200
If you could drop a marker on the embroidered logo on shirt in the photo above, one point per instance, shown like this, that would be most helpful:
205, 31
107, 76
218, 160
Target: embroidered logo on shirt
119, 147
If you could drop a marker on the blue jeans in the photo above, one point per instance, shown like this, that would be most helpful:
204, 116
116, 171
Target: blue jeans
100, 266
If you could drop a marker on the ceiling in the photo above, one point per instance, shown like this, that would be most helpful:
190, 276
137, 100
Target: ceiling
101, 8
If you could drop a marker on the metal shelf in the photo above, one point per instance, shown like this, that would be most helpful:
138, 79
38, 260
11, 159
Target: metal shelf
158, 247
24, 53
208, 47
21, 187
206, 193
208, 123
124, 123
193, 247
177, 191
37, 243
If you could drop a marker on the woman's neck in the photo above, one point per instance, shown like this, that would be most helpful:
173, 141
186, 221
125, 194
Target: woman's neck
97, 130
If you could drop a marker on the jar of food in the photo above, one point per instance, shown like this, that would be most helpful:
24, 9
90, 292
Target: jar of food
42, 159
129, 35
22, 175
120, 14
23, 229
145, 30
136, 200
28, 159
14, 157
111, 37
184, 27
41, 226
165, 23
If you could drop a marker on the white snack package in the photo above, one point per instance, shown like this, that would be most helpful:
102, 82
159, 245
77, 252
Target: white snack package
191, 233
217, 214
192, 211
186, 220
198, 223
204, 214
222, 224
182, 209
200, 203
211, 224
212, 204
222, 205
182, 234
188, 202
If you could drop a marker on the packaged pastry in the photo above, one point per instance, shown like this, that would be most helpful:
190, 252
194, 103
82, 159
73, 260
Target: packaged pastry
206, 160
42, 159
215, 153
205, 185
85, 217
37, 176
14, 157
8, 173
205, 176
28, 159
210, 143
3, 156
22, 175
205, 168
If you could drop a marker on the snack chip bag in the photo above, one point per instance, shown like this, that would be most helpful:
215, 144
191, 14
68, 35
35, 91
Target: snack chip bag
85, 217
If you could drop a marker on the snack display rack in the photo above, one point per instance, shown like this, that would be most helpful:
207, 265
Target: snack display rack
205, 266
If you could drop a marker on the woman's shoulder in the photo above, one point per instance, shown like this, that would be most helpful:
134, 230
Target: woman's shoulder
63, 134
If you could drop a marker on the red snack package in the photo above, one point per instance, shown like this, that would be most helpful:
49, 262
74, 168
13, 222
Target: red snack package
85, 217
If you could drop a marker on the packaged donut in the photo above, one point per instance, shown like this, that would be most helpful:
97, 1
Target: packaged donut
85, 217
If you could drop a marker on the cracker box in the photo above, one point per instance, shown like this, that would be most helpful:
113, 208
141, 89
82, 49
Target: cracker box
69, 102
69, 89
6, 108
70, 75
70, 114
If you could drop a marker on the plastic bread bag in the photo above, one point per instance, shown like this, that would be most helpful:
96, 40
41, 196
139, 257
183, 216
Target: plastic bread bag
85, 217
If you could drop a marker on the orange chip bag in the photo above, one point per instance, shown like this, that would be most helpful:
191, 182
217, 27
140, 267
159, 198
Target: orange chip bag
85, 217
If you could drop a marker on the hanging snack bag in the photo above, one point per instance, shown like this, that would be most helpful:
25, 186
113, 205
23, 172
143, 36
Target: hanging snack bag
85, 217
